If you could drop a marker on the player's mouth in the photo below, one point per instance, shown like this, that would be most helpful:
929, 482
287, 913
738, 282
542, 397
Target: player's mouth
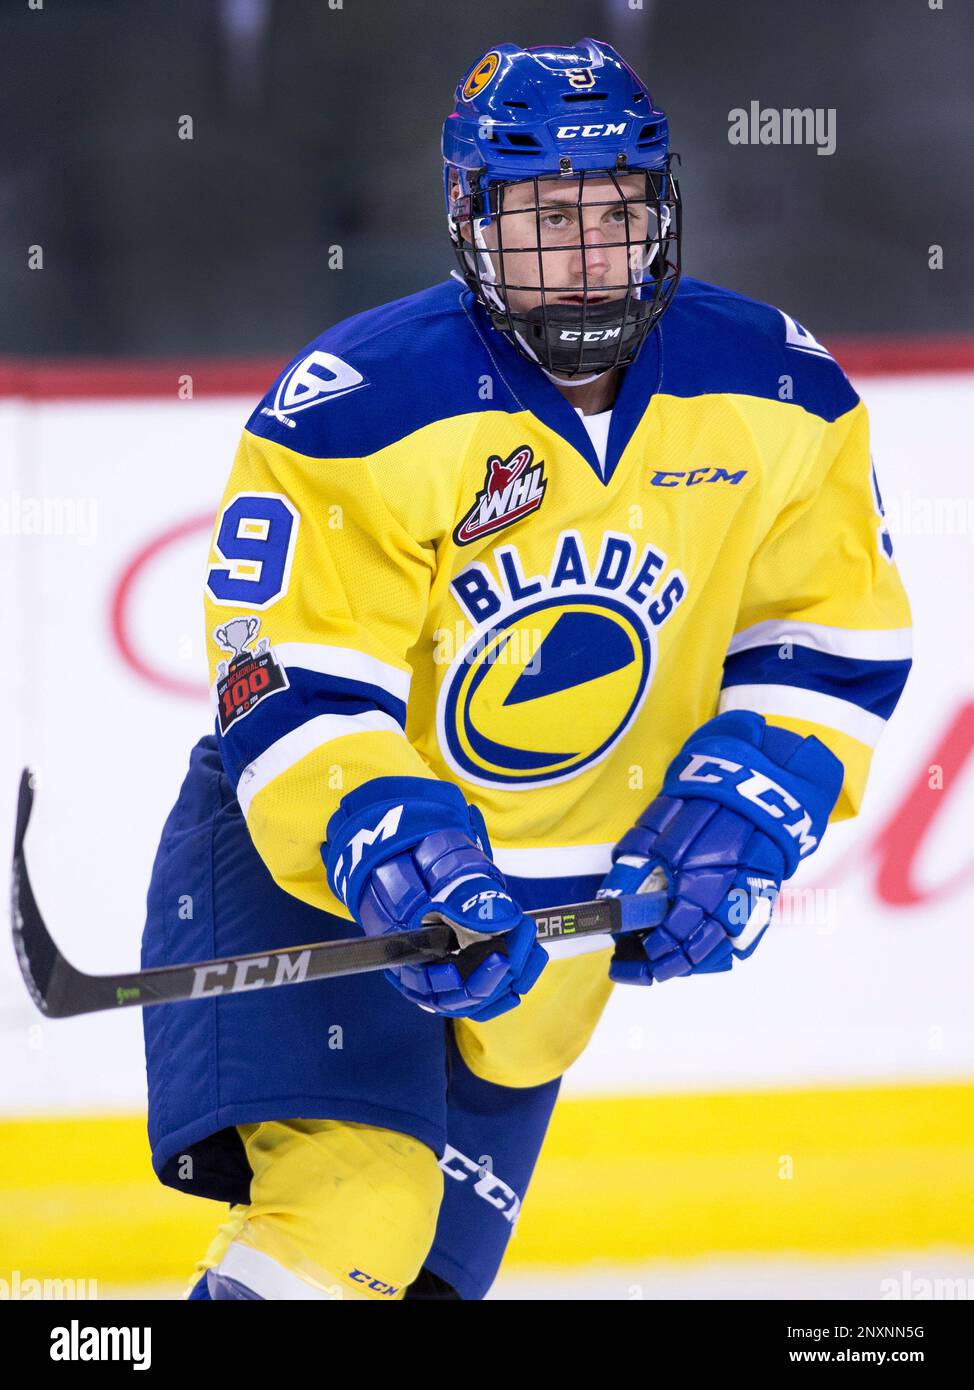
582, 298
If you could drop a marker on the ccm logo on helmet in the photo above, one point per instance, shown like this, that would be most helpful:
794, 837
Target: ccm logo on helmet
587, 132
591, 335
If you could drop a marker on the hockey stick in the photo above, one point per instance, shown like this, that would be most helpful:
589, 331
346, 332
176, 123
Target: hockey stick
61, 991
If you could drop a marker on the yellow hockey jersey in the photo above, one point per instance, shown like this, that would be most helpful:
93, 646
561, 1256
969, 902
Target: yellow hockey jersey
421, 568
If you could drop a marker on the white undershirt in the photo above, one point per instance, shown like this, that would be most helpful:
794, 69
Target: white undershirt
597, 429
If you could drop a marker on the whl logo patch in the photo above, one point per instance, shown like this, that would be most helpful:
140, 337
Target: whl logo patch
513, 488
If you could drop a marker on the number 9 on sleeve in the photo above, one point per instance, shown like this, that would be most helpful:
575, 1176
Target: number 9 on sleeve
254, 546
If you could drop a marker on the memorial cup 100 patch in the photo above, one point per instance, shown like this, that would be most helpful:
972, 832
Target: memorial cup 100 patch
249, 676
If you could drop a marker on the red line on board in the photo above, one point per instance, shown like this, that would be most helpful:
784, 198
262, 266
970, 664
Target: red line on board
81, 378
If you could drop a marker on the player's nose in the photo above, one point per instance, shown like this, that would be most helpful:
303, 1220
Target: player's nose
592, 253
590, 268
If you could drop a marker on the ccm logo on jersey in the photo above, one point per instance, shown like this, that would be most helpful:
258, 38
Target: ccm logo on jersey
588, 132
757, 788
513, 488
321, 376
665, 478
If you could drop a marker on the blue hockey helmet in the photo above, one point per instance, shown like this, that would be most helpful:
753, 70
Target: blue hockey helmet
578, 264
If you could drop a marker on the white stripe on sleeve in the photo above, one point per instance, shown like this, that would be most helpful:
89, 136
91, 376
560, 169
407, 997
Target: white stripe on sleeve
863, 644
812, 705
346, 662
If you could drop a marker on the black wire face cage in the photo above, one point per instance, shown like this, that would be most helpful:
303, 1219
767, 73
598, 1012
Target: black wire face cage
575, 268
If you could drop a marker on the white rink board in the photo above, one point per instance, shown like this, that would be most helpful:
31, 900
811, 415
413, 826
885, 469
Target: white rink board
870, 992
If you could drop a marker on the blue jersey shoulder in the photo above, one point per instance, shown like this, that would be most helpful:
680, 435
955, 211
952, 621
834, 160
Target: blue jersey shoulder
715, 341
381, 375
377, 377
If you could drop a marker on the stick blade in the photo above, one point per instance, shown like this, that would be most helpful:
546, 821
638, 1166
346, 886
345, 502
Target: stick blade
37, 955
25, 804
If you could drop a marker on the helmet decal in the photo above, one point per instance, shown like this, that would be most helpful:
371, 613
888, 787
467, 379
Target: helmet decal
481, 75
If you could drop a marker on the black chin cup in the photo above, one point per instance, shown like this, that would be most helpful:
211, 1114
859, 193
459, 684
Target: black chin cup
578, 340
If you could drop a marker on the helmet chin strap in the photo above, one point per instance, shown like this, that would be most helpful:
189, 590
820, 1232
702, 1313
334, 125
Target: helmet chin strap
553, 376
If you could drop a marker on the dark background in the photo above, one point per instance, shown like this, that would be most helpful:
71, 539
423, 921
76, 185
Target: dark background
316, 127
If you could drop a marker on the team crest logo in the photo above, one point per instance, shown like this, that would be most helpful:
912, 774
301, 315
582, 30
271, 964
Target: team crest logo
319, 377
248, 676
580, 77
545, 691
552, 667
481, 75
513, 488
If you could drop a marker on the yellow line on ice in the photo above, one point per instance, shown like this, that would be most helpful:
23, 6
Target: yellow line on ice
820, 1171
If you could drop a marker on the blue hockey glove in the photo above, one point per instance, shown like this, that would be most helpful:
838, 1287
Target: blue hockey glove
403, 849
741, 805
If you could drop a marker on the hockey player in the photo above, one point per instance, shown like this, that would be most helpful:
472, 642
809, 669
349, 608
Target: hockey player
565, 576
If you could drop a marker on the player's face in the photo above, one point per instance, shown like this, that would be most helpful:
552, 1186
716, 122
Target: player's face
592, 238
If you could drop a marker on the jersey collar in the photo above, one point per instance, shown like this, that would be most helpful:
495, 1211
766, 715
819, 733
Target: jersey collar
533, 391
